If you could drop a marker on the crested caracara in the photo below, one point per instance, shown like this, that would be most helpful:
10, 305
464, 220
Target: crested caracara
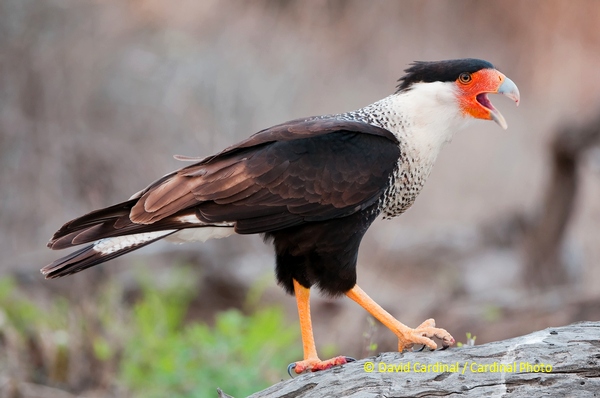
312, 186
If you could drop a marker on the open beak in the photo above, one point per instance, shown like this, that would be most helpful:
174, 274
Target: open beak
507, 88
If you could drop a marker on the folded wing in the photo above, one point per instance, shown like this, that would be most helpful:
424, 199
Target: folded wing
300, 172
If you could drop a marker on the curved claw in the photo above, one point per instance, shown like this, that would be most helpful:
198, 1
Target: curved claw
423, 347
423, 335
290, 368
350, 359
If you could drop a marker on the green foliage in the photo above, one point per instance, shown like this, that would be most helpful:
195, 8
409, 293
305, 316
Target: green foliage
240, 353
150, 348
22, 320
17, 312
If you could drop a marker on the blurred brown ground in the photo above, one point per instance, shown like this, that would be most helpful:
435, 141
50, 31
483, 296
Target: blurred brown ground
95, 97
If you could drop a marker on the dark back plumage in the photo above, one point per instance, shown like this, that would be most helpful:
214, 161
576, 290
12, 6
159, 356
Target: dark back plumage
318, 174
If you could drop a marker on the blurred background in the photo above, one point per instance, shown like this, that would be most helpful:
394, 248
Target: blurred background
96, 97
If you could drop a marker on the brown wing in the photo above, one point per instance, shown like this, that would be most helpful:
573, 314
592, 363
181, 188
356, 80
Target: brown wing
287, 175
301, 171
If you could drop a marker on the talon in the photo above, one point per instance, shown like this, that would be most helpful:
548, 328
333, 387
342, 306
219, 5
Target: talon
291, 367
350, 359
423, 347
424, 334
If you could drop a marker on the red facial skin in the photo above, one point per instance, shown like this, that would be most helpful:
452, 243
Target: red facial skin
481, 82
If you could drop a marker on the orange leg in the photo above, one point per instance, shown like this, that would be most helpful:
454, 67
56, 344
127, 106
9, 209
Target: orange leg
407, 337
311, 359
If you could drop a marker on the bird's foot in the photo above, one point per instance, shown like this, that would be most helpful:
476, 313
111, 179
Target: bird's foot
422, 335
315, 364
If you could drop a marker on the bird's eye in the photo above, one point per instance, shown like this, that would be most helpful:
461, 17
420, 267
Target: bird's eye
465, 78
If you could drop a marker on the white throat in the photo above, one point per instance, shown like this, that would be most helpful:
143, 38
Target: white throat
423, 118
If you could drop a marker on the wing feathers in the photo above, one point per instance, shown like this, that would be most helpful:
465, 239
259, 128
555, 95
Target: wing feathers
100, 252
298, 172
324, 162
120, 226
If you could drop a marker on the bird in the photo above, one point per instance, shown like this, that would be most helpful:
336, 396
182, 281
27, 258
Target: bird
310, 186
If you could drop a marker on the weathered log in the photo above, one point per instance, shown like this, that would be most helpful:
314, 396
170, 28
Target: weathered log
561, 361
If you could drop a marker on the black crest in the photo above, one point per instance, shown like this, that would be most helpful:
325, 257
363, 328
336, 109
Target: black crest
440, 71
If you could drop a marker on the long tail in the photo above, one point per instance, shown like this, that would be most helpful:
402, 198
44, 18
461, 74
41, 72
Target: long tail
112, 233
101, 251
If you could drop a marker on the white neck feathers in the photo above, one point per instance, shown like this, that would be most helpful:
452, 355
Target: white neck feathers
423, 118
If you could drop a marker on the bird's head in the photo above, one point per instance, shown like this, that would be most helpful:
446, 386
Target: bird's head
470, 81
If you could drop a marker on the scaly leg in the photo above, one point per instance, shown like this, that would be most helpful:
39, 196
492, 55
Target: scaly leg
311, 360
407, 337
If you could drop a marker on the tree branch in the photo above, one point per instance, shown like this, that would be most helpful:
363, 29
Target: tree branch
562, 361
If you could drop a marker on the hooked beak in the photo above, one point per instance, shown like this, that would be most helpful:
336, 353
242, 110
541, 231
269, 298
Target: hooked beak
507, 88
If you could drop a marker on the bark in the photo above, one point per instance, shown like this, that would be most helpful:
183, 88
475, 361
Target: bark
562, 361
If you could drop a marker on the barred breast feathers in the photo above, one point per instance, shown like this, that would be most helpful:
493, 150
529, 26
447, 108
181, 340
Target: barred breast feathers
421, 137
